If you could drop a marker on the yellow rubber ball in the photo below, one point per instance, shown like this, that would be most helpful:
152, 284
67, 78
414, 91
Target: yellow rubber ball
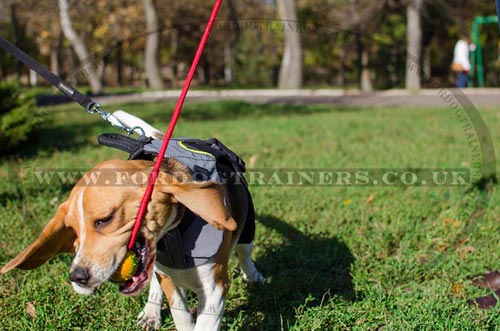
127, 269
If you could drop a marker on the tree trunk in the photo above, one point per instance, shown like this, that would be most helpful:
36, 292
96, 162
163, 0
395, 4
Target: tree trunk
79, 47
231, 42
414, 44
341, 72
364, 74
54, 60
70, 55
205, 64
426, 63
228, 62
151, 64
17, 35
290, 74
174, 43
33, 78
4, 16
366, 79
55, 55
119, 63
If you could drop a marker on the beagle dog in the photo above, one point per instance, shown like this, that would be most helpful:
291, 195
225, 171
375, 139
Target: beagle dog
96, 221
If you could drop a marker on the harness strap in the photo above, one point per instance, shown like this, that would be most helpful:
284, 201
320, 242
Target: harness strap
219, 150
134, 147
170, 248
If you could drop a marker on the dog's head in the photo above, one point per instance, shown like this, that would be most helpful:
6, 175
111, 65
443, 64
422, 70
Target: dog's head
96, 221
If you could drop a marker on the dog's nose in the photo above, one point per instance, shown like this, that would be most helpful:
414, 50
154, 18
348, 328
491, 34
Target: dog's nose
80, 276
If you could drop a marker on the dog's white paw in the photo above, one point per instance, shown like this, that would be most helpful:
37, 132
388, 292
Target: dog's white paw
149, 319
254, 277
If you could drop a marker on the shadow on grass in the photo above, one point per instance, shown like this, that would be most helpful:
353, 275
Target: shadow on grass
73, 132
225, 110
306, 268
60, 138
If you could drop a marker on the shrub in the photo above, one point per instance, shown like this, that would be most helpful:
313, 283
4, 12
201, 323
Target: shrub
19, 118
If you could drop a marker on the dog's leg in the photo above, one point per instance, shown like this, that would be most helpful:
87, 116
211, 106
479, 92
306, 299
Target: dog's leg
244, 254
179, 308
178, 303
150, 317
214, 283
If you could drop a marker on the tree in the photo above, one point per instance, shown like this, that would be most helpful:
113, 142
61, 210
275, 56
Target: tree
3, 12
151, 64
365, 17
231, 42
351, 42
414, 44
19, 118
290, 74
79, 47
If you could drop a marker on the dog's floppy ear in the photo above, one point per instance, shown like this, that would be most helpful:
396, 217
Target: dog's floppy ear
55, 238
206, 199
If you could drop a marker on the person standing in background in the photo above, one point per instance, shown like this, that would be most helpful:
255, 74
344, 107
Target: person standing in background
461, 63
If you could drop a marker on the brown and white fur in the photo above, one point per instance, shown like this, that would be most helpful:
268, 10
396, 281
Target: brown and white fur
96, 221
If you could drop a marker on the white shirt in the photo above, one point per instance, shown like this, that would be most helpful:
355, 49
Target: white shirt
461, 54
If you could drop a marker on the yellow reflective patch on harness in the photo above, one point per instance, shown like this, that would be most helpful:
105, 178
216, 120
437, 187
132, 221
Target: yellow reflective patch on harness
181, 144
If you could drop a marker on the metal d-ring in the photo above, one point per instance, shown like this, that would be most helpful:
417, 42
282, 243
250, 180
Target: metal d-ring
93, 108
131, 130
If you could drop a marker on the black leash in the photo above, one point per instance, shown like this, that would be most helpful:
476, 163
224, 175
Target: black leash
89, 104
49, 76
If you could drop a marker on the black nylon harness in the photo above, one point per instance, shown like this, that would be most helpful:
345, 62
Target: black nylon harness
194, 241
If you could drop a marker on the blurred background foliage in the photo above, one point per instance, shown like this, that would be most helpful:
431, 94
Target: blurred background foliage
246, 47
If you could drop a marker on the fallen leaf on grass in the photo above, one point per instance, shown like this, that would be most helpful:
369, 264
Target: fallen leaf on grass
486, 302
31, 310
490, 280
440, 243
442, 246
458, 290
451, 221
463, 241
463, 251
252, 161
361, 321
422, 259
370, 198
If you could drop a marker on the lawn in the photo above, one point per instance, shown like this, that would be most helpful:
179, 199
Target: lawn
336, 257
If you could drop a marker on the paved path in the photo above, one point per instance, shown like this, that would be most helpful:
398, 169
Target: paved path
389, 98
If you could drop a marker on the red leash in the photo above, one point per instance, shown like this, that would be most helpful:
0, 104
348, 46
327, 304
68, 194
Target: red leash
171, 126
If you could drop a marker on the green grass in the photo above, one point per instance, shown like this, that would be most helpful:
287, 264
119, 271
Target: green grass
335, 258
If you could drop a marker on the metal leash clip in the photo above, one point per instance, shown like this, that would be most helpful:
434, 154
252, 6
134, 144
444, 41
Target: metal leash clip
93, 108
106, 116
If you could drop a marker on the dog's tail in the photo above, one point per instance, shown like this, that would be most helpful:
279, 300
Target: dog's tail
132, 122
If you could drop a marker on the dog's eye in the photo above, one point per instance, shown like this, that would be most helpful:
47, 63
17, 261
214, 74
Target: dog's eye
101, 222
